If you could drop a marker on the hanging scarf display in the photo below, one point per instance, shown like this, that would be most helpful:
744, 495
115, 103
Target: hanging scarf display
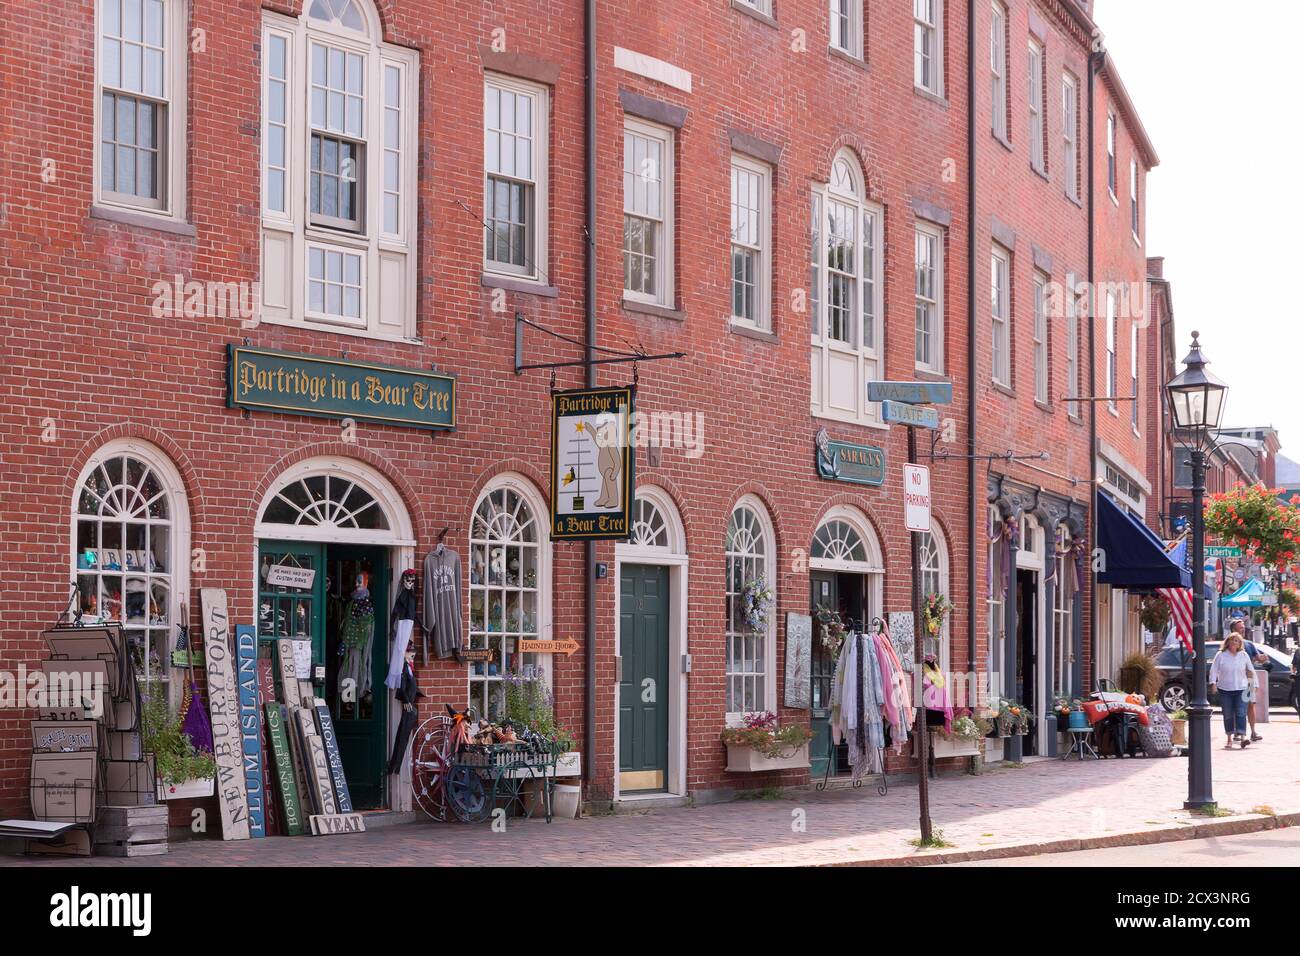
356, 642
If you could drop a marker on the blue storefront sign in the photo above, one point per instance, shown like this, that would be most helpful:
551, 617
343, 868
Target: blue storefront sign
843, 461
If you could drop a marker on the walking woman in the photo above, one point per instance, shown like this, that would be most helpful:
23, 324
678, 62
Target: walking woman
1231, 671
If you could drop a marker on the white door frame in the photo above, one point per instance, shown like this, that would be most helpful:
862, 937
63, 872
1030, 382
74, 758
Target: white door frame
675, 559
1034, 561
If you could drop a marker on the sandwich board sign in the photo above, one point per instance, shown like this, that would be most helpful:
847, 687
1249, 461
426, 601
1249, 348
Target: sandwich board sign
916, 497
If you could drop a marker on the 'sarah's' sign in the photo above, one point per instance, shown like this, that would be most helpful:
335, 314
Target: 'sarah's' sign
271, 381
841, 461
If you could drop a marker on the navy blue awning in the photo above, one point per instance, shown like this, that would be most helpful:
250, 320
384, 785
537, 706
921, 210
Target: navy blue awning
1135, 557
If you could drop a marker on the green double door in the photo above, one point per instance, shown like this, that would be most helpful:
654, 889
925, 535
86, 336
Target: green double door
315, 613
643, 691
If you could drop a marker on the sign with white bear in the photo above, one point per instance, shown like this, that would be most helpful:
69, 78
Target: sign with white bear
592, 461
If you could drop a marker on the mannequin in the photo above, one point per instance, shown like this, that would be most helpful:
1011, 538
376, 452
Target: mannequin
401, 624
408, 692
356, 643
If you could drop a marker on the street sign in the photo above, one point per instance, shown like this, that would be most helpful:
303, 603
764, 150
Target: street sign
916, 497
566, 647
1222, 551
900, 413
910, 393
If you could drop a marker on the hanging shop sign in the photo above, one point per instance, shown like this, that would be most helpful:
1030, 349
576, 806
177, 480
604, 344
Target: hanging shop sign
910, 393
224, 709
290, 576
268, 380
917, 416
842, 461
250, 726
592, 461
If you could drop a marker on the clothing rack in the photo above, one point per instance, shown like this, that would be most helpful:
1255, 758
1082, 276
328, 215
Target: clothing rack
855, 630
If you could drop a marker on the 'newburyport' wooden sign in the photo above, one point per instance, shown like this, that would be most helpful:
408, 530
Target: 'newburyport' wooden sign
227, 743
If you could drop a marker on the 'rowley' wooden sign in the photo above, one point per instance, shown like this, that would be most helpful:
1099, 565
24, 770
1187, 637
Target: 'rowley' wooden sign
227, 743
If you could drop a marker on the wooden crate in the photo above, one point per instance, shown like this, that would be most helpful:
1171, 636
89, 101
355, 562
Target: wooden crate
131, 831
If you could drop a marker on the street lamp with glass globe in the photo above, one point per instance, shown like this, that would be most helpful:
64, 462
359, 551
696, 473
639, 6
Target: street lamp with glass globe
1196, 403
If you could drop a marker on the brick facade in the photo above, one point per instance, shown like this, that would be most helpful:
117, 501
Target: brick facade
86, 363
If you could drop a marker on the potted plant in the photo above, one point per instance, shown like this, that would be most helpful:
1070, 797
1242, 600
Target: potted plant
530, 705
1139, 675
762, 744
1013, 719
1179, 719
962, 741
1154, 613
182, 771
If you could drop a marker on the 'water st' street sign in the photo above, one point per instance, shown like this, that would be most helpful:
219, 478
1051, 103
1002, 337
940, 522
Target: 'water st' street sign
910, 393
918, 416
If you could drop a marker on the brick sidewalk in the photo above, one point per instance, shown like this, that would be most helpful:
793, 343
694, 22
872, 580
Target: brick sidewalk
1127, 801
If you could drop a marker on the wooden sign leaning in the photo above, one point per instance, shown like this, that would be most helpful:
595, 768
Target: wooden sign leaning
289, 693
224, 709
328, 738
250, 726
328, 825
284, 769
318, 763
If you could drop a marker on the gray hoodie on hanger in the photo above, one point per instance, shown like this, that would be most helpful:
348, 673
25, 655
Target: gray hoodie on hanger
441, 602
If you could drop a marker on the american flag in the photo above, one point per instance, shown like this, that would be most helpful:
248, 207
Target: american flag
1180, 599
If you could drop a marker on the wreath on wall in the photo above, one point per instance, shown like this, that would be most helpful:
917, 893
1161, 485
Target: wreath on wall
756, 601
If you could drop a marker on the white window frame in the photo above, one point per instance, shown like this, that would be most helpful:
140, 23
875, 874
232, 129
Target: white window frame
1135, 219
534, 270
762, 320
846, 20
995, 603
1037, 136
762, 6
664, 291
1112, 338
935, 579
480, 686
1112, 165
174, 576
926, 233
1000, 314
1042, 370
386, 240
927, 17
1063, 614
998, 68
170, 205
1070, 133
769, 569
847, 190
1073, 304
1134, 368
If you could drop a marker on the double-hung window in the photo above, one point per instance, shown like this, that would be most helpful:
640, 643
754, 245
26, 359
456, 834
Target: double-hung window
1070, 133
1133, 370
998, 68
846, 26
929, 298
847, 302
140, 106
1037, 136
1111, 171
1112, 335
927, 16
1042, 369
751, 249
1133, 198
647, 213
762, 6
514, 169
338, 172
1074, 307
1001, 313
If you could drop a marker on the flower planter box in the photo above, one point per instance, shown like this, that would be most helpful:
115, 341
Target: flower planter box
188, 789
569, 764
742, 759
944, 747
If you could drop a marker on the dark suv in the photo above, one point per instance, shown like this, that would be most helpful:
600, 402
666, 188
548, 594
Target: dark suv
1176, 665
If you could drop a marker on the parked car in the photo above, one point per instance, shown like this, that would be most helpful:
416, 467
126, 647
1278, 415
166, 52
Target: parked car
1176, 665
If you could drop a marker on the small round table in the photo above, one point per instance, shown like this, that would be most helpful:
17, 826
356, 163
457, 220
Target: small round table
1080, 744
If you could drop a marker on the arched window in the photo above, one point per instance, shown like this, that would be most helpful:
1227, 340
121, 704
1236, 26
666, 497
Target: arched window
130, 550
325, 501
338, 171
750, 665
509, 588
649, 529
934, 580
333, 499
1063, 613
847, 306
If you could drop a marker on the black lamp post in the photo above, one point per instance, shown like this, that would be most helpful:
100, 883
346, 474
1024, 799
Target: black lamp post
1196, 401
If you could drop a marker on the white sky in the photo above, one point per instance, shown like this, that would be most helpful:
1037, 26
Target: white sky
1214, 92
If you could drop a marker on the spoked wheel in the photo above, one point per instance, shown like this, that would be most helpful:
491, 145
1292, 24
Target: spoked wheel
431, 766
469, 799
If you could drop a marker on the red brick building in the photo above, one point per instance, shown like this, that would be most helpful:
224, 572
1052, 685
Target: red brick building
310, 178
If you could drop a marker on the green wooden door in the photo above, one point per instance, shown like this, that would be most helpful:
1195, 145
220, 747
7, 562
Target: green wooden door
360, 712
643, 690
288, 612
824, 594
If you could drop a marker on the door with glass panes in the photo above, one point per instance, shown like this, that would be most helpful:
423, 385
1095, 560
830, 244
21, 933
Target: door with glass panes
296, 613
